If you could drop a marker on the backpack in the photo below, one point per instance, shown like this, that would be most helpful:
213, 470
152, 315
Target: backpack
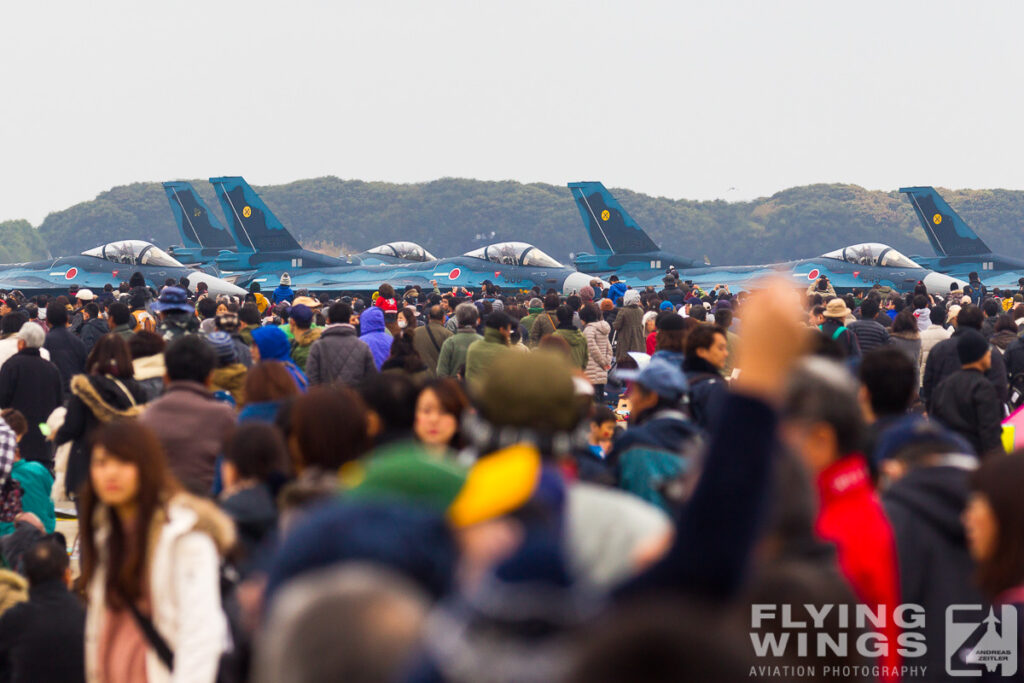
1015, 394
144, 321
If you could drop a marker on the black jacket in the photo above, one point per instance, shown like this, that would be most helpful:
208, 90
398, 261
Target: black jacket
91, 331
67, 352
44, 639
966, 403
708, 390
870, 334
943, 361
31, 384
936, 571
1014, 358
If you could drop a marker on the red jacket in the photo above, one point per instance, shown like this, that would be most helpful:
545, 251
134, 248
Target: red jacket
386, 305
851, 517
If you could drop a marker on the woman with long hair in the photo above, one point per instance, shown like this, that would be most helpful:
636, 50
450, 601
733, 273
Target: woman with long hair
439, 410
268, 386
404, 358
107, 391
150, 564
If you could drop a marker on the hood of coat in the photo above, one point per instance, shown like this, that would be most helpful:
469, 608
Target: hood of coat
230, 377
371, 320
104, 397
601, 326
101, 325
906, 336
272, 343
937, 495
342, 330
149, 367
309, 336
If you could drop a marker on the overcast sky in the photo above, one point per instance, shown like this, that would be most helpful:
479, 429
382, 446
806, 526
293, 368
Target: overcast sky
681, 99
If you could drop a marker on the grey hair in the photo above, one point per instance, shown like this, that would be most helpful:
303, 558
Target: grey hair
32, 334
466, 315
821, 390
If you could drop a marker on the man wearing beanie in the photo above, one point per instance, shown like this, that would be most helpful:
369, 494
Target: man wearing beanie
966, 402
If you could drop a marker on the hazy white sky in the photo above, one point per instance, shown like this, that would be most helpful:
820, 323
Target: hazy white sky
682, 99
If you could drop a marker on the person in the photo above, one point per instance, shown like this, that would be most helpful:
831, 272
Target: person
599, 349
439, 409
300, 322
943, 360
707, 351
66, 350
928, 471
252, 456
935, 333
43, 639
151, 559
823, 287
374, 335
120, 320
544, 323
147, 350
107, 392
888, 382
452, 359
262, 304
93, 326
34, 478
187, 419
650, 452
269, 387
270, 343
628, 326
431, 337
142, 319
403, 358
905, 335
284, 292
1004, 332
386, 300
822, 424
534, 309
339, 356
617, 289
870, 333
834, 328
481, 354
965, 402
177, 317
10, 325
573, 337
228, 379
991, 309
32, 385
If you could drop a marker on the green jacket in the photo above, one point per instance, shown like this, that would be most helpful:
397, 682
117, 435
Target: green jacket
577, 346
428, 341
527, 322
542, 326
123, 331
453, 351
481, 355
300, 346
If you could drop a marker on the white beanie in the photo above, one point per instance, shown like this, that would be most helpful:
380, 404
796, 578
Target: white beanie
630, 297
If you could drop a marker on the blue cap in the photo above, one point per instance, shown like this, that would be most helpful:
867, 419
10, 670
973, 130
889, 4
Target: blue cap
660, 376
914, 430
301, 314
667, 306
172, 298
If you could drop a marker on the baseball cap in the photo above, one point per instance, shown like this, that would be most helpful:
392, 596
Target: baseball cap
301, 314
85, 295
660, 376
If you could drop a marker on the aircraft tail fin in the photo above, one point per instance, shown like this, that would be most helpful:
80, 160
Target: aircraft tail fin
947, 232
253, 225
611, 229
197, 226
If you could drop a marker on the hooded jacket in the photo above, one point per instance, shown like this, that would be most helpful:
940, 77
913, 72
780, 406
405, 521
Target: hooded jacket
543, 325
176, 324
91, 331
371, 326
94, 400
649, 454
301, 345
481, 354
599, 351
453, 351
708, 390
339, 356
187, 540
936, 570
629, 325
966, 403
231, 378
943, 361
577, 346
273, 345
283, 293
149, 373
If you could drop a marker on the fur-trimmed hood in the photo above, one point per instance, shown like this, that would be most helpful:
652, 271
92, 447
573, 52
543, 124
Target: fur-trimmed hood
106, 400
149, 367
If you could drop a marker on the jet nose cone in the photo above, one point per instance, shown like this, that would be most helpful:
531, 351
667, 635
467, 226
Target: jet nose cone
216, 285
577, 281
937, 283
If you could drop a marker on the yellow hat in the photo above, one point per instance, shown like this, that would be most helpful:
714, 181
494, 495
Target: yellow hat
497, 484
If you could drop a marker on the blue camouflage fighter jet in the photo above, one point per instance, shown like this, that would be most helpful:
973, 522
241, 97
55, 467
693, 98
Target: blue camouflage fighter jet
624, 249
109, 263
959, 249
266, 250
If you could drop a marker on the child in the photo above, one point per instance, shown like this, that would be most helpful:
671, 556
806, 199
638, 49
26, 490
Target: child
36, 481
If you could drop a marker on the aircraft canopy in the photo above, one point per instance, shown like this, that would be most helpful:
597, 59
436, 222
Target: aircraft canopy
872, 254
409, 251
515, 254
134, 252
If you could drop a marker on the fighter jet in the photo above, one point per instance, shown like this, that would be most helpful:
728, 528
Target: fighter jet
206, 242
960, 250
265, 250
856, 266
109, 263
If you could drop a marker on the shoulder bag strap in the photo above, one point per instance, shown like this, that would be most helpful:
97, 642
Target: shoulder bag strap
153, 637
432, 339
124, 390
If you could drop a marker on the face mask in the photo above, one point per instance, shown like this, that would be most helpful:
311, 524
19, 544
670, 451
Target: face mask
402, 324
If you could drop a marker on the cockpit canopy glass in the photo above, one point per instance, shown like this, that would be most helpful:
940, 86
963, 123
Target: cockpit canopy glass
872, 254
134, 252
408, 251
515, 254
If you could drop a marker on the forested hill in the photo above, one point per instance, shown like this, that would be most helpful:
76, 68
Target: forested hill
452, 216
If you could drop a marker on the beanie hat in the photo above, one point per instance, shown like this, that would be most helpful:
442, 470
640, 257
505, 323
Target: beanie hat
970, 346
532, 390
666, 306
630, 297
272, 343
224, 346
407, 473
607, 305
286, 280
536, 303
587, 293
